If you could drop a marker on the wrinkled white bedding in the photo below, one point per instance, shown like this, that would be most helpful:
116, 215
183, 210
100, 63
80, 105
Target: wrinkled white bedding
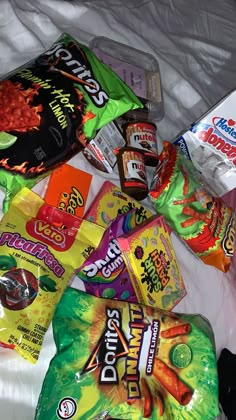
194, 42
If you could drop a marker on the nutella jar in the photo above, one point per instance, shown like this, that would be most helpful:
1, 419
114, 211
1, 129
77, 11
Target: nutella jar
132, 172
142, 135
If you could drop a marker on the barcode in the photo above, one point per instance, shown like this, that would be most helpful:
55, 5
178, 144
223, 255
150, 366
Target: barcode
110, 156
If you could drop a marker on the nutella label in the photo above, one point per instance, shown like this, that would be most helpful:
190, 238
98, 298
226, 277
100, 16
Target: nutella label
136, 170
133, 168
142, 136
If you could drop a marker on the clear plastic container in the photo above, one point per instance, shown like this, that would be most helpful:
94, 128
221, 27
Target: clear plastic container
139, 70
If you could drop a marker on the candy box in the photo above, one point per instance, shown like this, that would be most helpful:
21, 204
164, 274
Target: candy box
110, 202
152, 265
68, 189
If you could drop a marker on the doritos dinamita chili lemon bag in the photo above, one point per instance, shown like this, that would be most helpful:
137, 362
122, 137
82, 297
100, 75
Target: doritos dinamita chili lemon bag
50, 106
119, 360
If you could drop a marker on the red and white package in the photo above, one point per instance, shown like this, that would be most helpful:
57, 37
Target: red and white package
210, 143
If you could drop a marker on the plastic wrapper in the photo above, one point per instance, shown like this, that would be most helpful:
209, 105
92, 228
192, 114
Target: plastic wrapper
210, 144
120, 360
104, 273
37, 261
51, 106
204, 222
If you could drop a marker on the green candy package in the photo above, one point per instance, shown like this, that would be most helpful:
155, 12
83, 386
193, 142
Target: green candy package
120, 360
50, 107
203, 221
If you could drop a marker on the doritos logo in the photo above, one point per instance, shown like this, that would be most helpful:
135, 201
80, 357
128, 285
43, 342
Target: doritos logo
111, 346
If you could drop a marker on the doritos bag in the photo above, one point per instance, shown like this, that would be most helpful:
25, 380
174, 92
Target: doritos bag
120, 360
51, 106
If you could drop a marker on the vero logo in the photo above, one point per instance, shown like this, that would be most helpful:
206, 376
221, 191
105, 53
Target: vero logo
49, 232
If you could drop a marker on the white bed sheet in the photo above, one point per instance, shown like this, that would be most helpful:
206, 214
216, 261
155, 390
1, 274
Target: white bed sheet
194, 42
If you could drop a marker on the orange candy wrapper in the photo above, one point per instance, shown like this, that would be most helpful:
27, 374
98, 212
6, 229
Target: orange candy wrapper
68, 189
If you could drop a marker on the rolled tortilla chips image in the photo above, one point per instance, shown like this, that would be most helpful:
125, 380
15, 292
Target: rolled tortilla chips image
177, 330
170, 381
112, 362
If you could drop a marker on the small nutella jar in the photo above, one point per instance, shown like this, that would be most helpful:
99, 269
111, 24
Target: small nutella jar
132, 171
142, 135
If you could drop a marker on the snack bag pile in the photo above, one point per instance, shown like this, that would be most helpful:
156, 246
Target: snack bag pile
204, 222
120, 354
120, 360
50, 107
37, 260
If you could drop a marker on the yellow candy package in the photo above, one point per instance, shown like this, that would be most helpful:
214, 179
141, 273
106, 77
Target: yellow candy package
37, 261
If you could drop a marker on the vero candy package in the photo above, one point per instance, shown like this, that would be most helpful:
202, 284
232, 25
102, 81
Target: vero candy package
210, 143
150, 258
110, 202
37, 261
119, 360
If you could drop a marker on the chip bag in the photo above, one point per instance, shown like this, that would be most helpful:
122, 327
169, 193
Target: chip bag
204, 222
50, 106
120, 360
37, 260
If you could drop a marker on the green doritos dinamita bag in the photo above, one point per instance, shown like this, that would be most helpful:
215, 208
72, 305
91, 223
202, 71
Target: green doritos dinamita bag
120, 360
